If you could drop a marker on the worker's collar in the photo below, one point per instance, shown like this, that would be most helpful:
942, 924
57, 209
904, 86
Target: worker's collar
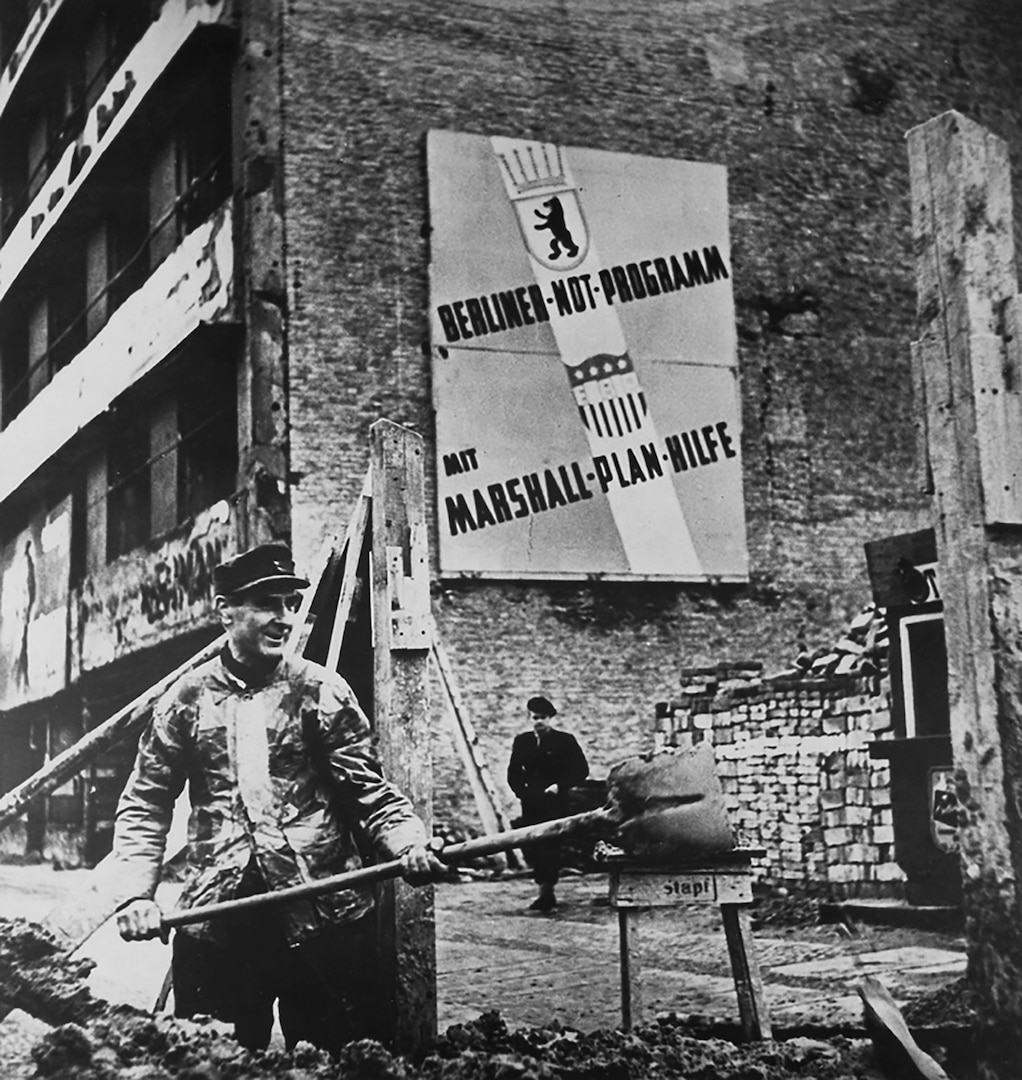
247, 674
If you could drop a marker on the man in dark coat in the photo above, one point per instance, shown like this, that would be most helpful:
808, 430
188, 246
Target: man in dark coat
545, 764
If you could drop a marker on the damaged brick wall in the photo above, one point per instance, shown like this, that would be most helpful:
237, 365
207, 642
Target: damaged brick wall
793, 758
807, 106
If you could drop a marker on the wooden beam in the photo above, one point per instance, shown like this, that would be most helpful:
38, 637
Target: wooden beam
968, 353
402, 635
123, 723
469, 749
354, 538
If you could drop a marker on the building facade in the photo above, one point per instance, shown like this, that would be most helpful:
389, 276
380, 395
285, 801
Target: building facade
216, 236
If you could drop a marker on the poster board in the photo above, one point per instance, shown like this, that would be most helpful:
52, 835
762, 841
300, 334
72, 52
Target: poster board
584, 364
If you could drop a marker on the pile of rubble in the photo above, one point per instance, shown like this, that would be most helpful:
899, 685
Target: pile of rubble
94, 1040
127, 1045
861, 650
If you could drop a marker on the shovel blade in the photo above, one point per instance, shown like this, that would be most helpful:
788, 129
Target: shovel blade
671, 806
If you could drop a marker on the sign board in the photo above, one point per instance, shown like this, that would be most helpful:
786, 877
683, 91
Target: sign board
944, 808
710, 886
903, 569
34, 588
584, 364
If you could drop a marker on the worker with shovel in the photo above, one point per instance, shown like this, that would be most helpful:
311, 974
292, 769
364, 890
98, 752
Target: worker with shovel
284, 789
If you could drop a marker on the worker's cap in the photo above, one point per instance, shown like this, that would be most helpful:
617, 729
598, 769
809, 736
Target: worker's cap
269, 565
539, 706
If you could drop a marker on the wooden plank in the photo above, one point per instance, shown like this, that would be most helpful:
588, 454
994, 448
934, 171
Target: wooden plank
123, 723
354, 538
967, 317
469, 748
924, 471
752, 1006
631, 967
890, 1034
401, 620
648, 890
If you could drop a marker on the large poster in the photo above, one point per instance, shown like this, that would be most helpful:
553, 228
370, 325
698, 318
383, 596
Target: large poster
584, 373
34, 584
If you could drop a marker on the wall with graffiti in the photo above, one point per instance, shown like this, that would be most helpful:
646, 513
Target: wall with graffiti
154, 592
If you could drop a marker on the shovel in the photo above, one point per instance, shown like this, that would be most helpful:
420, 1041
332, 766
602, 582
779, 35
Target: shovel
660, 808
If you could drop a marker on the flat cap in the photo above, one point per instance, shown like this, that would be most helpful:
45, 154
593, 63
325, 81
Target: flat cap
541, 707
267, 564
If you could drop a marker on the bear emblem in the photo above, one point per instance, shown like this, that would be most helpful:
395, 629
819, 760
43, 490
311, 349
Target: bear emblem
560, 234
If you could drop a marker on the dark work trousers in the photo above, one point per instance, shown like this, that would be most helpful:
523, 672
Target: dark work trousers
325, 988
544, 857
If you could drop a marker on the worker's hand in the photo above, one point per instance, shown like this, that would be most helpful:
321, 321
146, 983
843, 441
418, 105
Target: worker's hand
419, 866
141, 920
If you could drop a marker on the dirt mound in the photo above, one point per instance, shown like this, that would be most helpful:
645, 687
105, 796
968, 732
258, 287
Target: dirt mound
948, 1006
37, 975
127, 1045
94, 1040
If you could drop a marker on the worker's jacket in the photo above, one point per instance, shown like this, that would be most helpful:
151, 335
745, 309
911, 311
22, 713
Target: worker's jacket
279, 774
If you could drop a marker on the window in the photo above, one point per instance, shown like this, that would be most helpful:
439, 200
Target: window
208, 454
13, 372
67, 314
13, 20
190, 172
67, 79
128, 496
173, 452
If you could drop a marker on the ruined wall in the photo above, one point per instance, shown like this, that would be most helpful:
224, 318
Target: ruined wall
807, 105
793, 758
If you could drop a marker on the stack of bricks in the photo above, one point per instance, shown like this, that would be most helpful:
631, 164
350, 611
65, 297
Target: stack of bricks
793, 757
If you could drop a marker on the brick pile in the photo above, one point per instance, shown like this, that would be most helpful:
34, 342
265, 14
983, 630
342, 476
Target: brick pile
792, 751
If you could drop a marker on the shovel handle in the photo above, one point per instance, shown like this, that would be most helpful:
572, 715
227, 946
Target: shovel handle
592, 820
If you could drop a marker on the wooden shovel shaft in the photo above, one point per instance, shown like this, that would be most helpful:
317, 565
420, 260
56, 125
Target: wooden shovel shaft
590, 822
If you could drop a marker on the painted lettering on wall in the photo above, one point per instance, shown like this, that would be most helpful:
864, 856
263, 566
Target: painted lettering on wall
181, 580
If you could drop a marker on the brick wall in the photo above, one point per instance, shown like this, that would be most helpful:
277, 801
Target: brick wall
793, 758
807, 105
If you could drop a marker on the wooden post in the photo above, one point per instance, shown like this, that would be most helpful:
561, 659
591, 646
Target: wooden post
752, 1004
968, 355
401, 641
631, 966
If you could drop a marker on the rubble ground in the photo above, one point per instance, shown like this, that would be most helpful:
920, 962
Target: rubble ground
510, 1020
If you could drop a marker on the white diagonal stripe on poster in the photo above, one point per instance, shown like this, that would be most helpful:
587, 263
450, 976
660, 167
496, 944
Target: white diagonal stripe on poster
611, 404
